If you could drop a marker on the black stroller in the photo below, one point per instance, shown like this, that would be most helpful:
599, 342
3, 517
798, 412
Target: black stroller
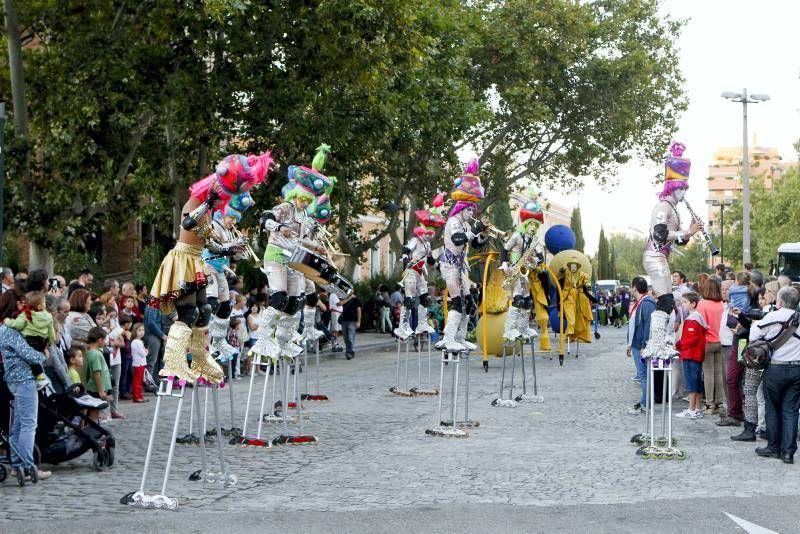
65, 432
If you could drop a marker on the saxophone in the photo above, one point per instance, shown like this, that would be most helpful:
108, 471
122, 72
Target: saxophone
522, 267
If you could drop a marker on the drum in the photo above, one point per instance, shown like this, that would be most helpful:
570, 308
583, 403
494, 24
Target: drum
312, 265
339, 285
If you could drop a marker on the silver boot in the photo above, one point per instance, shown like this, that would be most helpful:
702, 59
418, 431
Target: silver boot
403, 330
448, 340
422, 321
309, 332
524, 325
461, 335
510, 331
661, 343
220, 349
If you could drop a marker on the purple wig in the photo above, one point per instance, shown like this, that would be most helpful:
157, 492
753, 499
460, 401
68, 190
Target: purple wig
461, 205
670, 186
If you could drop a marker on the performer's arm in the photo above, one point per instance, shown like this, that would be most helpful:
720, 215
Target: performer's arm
273, 220
661, 231
191, 219
479, 239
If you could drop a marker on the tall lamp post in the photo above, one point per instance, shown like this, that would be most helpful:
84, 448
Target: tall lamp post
745, 99
721, 204
2, 178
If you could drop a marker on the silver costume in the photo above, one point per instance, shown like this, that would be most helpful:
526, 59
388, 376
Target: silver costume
417, 255
517, 322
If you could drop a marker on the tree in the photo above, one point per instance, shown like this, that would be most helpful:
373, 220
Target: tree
612, 263
627, 253
603, 260
771, 220
694, 259
574, 89
575, 224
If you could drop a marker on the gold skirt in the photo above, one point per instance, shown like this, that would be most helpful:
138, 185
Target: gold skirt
182, 272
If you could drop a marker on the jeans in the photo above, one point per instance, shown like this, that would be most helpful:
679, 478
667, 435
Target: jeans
712, 375
153, 344
641, 367
115, 372
782, 395
125, 376
349, 329
733, 378
23, 424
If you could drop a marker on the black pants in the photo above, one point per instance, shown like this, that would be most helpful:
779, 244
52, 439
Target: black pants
782, 395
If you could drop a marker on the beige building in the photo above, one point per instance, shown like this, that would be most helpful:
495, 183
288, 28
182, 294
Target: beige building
725, 173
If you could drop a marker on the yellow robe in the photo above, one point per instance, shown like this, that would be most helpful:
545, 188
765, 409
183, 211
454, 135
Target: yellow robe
540, 307
577, 309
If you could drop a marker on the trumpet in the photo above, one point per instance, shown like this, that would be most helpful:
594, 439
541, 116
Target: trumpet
248, 250
714, 250
492, 230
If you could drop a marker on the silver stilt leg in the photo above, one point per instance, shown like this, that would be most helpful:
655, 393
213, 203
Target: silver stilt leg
199, 474
501, 401
233, 430
253, 366
419, 390
442, 428
225, 478
526, 397
190, 438
467, 422
397, 390
162, 498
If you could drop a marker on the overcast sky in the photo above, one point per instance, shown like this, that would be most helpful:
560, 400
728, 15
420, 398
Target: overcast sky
726, 45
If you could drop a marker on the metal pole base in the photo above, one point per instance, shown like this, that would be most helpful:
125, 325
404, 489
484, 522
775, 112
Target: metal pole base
649, 452
313, 397
303, 439
447, 432
504, 403
469, 423
529, 398
245, 442
139, 499
417, 392
400, 392
272, 418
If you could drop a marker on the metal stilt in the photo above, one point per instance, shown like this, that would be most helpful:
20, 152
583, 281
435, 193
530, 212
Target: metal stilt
198, 475
525, 397
442, 428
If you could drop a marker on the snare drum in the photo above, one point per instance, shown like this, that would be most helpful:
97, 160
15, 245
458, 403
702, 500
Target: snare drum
312, 265
339, 285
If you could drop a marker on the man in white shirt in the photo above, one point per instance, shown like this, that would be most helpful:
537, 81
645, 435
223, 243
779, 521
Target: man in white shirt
781, 379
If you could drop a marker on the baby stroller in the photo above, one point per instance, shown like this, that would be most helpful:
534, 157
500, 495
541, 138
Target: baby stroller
64, 431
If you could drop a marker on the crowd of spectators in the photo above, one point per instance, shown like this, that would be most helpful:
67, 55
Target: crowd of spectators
716, 320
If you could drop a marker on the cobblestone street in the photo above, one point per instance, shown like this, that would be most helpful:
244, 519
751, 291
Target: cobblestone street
374, 460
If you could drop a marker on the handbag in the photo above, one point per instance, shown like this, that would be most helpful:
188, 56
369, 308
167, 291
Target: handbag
758, 353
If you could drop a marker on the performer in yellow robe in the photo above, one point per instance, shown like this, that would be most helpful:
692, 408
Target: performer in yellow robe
539, 293
577, 310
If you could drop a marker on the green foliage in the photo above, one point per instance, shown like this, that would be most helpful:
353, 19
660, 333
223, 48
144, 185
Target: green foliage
627, 255
603, 259
694, 259
146, 265
575, 224
773, 221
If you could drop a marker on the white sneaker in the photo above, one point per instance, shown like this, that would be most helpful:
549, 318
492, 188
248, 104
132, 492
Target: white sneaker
687, 414
698, 414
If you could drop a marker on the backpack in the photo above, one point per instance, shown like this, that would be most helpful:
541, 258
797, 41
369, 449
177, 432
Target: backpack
758, 352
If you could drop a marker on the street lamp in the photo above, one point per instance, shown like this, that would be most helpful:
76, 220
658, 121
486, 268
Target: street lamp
721, 204
745, 99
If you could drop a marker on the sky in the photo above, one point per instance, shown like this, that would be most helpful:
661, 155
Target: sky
726, 45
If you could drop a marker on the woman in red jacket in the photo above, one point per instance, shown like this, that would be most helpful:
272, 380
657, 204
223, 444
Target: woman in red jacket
692, 347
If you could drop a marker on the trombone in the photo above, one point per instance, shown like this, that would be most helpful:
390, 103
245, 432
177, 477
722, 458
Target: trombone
248, 250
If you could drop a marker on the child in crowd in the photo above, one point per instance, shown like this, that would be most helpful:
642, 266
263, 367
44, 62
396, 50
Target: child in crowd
126, 371
139, 354
74, 364
233, 341
692, 347
97, 377
739, 293
36, 324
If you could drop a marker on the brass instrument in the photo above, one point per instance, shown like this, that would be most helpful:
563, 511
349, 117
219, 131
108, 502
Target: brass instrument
522, 267
242, 240
714, 250
492, 230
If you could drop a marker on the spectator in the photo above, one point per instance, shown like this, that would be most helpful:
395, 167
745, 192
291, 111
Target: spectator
37, 281
130, 309
335, 304
7, 280
126, 356
21, 282
18, 357
78, 322
54, 287
719, 270
692, 346
59, 318
350, 321
783, 280
382, 302
255, 321
748, 267
396, 299
141, 298
781, 379
638, 333
711, 309
139, 362
36, 324
84, 281
96, 374
733, 369
56, 360
74, 365
154, 337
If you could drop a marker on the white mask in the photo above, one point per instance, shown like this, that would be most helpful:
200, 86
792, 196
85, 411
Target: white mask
573, 267
679, 194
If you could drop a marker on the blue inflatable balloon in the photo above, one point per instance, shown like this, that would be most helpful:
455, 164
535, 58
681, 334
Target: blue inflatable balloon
554, 321
559, 238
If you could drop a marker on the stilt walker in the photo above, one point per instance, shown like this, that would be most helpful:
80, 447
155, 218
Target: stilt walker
453, 266
417, 256
665, 232
180, 286
287, 223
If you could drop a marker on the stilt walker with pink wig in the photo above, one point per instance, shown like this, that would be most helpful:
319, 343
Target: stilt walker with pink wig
179, 287
458, 234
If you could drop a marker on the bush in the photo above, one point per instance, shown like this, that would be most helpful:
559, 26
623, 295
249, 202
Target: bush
146, 265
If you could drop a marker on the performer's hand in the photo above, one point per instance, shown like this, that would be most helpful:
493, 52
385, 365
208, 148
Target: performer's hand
628, 352
695, 227
213, 196
504, 267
